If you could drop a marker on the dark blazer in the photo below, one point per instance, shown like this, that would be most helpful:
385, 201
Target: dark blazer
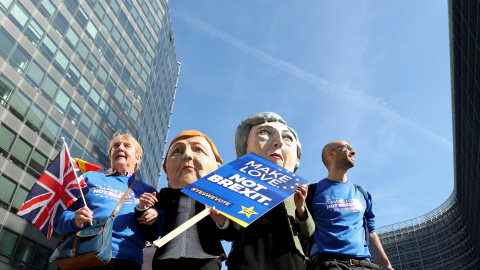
208, 232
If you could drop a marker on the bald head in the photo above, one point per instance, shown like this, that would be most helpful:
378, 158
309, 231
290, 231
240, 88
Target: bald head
331, 147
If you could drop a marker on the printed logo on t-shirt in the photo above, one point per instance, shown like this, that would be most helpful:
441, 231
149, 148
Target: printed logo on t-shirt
335, 204
111, 193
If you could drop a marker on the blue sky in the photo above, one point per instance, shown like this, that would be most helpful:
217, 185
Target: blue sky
373, 73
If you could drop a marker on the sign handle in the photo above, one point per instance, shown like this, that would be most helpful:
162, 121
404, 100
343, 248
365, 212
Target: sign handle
189, 223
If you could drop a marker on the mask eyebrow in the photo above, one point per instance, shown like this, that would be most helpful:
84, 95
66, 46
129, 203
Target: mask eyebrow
176, 145
265, 125
205, 147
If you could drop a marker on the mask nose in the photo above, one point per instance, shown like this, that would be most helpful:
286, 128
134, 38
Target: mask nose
277, 141
187, 155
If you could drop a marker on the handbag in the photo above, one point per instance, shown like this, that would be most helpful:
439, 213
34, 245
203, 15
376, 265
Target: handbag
91, 246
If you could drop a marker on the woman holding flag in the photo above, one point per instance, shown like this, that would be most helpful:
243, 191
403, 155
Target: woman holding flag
105, 190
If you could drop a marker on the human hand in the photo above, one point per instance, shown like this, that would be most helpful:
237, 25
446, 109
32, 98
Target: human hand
82, 216
147, 200
299, 198
148, 217
217, 217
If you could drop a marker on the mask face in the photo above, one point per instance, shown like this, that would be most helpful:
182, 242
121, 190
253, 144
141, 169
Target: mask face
275, 142
189, 160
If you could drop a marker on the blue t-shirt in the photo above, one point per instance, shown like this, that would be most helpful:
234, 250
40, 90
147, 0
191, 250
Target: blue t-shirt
338, 210
102, 198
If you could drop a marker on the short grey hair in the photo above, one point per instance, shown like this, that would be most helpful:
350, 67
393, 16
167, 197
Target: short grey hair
243, 131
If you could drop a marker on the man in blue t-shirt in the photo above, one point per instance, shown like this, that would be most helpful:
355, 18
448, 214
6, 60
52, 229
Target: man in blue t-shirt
343, 217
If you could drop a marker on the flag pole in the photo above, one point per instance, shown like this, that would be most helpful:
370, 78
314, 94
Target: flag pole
75, 173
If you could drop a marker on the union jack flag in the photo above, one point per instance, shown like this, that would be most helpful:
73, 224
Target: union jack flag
55, 190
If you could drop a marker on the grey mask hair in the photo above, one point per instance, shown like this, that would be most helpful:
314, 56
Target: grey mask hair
243, 131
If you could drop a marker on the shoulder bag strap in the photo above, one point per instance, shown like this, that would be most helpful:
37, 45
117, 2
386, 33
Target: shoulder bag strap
367, 232
310, 194
364, 193
124, 196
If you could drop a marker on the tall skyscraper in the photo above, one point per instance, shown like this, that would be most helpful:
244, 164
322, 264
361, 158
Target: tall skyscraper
82, 70
447, 237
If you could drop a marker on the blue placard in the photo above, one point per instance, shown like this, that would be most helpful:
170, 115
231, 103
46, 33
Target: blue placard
245, 188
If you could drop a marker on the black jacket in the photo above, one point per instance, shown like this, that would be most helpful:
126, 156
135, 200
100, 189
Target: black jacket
208, 232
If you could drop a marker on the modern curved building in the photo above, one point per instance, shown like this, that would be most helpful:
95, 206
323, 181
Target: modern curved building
448, 237
82, 70
437, 240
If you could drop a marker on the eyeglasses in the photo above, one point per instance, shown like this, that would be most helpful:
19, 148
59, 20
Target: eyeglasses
344, 145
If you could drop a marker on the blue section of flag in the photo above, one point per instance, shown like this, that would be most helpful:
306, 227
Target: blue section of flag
245, 188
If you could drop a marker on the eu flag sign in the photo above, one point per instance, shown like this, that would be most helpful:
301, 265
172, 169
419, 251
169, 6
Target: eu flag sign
245, 188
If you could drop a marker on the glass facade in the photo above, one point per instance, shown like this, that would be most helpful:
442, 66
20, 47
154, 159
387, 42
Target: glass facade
82, 70
438, 240
447, 237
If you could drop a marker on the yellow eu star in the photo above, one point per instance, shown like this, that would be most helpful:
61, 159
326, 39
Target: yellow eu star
248, 211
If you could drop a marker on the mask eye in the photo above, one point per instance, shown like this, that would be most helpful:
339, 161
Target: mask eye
287, 138
177, 151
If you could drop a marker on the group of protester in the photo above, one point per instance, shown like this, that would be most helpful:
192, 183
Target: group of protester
339, 215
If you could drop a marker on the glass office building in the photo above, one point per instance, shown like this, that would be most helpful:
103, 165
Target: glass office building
81, 70
438, 240
447, 237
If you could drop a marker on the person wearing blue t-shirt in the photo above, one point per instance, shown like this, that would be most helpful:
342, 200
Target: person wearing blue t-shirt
105, 191
343, 216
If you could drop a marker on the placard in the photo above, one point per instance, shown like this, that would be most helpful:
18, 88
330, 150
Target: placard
245, 188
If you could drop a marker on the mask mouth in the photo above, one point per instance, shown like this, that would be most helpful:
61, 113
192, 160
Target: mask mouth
188, 167
277, 156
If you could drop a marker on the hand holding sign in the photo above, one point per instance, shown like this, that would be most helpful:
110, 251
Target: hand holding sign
299, 198
217, 217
